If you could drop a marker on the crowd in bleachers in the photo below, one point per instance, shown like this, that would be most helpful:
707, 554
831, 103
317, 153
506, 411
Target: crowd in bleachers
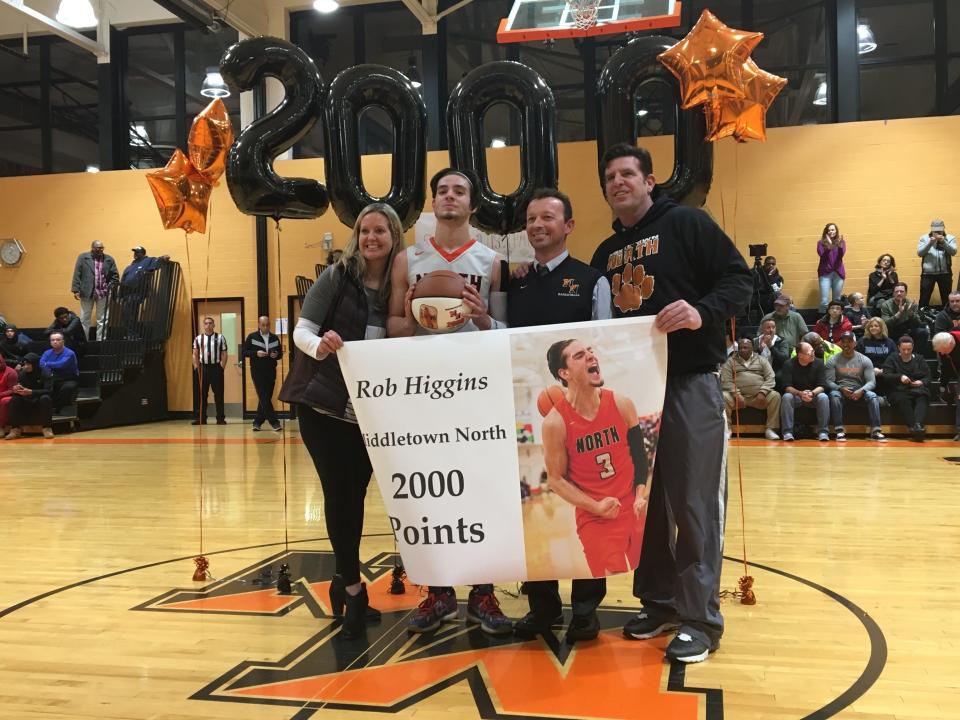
882, 350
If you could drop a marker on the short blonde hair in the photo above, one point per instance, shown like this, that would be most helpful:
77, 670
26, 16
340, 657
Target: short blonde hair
884, 333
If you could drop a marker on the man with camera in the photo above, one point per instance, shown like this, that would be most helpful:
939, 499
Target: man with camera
767, 282
937, 249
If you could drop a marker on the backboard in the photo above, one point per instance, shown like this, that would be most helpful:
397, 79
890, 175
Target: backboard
532, 20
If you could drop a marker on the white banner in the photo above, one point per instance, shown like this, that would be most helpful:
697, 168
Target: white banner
452, 426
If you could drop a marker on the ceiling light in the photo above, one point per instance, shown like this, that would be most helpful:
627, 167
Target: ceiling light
93, 168
865, 40
325, 6
412, 73
498, 142
213, 85
76, 14
138, 133
820, 98
641, 113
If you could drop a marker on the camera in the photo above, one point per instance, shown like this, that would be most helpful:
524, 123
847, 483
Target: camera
758, 251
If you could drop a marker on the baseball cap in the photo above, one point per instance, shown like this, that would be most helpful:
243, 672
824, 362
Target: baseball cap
937, 226
782, 300
848, 334
139, 248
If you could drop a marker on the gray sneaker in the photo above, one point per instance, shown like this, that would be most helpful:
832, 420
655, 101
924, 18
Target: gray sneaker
823, 437
788, 437
645, 625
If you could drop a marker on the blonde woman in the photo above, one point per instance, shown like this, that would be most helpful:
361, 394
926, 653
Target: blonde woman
876, 345
347, 302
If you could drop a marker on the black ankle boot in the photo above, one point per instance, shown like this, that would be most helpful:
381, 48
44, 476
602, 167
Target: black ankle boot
338, 595
354, 621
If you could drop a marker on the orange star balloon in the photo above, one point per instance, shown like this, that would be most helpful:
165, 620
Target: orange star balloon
211, 136
708, 61
182, 194
746, 118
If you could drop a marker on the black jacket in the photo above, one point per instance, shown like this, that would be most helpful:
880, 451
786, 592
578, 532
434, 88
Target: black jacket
678, 253
254, 344
894, 367
12, 350
73, 336
877, 292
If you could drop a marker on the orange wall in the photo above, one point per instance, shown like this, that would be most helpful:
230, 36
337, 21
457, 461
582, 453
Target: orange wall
881, 182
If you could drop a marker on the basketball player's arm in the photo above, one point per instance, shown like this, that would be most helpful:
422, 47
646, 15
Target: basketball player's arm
638, 452
555, 457
400, 322
494, 315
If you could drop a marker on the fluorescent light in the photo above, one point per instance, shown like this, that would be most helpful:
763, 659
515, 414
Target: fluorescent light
498, 142
77, 14
139, 132
93, 168
820, 98
641, 113
866, 43
213, 85
326, 6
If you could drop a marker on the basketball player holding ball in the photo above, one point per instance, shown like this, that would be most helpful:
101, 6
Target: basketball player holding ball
455, 198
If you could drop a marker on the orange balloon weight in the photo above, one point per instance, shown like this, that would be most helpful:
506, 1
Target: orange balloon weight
182, 194
708, 61
211, 136
745, 119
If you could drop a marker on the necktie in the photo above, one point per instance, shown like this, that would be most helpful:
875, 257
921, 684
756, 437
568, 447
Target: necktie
542, 270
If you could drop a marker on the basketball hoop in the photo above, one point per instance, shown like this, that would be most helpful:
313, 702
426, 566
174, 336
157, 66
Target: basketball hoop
583, 12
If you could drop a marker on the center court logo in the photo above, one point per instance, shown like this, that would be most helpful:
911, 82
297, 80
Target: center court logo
390, 670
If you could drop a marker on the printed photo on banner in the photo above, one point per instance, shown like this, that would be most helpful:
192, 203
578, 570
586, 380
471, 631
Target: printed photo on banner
588, 400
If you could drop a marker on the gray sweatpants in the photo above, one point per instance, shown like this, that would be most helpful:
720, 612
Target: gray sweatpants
680, 563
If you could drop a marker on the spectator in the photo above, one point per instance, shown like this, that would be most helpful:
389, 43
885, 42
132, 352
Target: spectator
804, 380
770, 346
263, 351
832, 325
850, 379
747, 380
876, 344
831, 248
823, 349
949, 318
768, 283
790, 325
947, 345
12, 347
93, 275
857, 312
59, 363
31, 404
902, 316
67, 324
882, 280
937, 250
133, 285
908, 381
8, 381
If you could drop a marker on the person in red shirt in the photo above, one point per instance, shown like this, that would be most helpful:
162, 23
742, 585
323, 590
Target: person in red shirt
596, 460
834, 323
8, 379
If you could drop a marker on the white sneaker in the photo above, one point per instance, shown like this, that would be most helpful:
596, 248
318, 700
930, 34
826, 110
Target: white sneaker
788, 437
771, 434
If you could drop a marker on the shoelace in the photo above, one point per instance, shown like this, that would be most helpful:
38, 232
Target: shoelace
490, 605
428, 603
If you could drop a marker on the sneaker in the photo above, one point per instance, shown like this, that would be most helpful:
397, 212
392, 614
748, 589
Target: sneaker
255, 427
276, 427
48, 433
646, 625
788, 437
484, 609
221, 422
13, 434
878, 436
531, 625
583, 627
956, 438
688, 649
199, 422
823, 437
433, 611
841, 436
771, 434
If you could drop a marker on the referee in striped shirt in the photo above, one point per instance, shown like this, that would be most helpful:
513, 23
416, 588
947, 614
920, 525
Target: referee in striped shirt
209, 362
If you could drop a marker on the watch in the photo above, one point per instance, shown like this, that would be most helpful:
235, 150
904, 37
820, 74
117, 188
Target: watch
11, 251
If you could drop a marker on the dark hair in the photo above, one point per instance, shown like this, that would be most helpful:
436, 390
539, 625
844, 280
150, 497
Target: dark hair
555, 359
899, 283
61, 311
893, 263
471, 177
544, 193
625, 150
824, 233
903, 339
208, 318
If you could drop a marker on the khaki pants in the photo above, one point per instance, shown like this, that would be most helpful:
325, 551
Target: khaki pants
772, 408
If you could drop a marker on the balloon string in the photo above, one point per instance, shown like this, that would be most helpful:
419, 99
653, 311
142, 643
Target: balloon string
745, 592
199, 382
283, 424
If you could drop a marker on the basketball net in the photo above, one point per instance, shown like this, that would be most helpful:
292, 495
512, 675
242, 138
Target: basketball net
583, 13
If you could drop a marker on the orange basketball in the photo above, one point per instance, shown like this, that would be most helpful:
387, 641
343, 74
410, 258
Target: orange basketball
438, 301
439, 283
548, 399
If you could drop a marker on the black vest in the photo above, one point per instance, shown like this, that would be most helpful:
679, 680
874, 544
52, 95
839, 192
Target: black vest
563, 295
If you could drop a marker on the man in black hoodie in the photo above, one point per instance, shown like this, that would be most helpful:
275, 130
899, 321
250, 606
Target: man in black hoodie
675, 263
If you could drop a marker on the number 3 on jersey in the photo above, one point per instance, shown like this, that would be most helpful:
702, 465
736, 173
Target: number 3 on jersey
608, 470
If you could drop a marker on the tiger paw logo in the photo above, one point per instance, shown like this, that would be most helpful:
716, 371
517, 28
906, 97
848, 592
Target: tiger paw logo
631, 288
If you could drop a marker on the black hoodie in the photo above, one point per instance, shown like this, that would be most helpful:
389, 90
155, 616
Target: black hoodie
684, 255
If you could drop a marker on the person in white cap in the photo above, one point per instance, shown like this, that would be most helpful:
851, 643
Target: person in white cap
937, 249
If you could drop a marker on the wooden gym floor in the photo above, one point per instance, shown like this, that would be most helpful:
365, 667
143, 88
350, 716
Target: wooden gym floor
853, 549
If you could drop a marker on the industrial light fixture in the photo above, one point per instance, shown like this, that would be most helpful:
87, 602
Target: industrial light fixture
76, 14
213, 85
820, 98
326, 6
139, 133
866, 43
498, 142
412, 73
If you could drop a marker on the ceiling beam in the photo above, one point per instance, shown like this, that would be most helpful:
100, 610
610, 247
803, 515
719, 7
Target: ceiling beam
67, 33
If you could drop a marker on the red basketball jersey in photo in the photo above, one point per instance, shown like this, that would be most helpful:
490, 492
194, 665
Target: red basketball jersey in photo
598, 456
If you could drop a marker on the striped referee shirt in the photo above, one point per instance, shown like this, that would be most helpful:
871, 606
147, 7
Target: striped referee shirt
209, 347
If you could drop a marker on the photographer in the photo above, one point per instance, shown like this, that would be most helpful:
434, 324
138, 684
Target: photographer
767, 282
937, 249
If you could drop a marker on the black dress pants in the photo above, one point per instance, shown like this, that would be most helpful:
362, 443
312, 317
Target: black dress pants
209, 377
585, 596
264, 381
912, 407
927, 282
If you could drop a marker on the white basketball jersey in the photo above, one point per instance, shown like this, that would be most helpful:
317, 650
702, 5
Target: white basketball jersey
473, 261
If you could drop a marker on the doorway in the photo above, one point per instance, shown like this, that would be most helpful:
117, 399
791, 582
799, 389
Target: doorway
227, 314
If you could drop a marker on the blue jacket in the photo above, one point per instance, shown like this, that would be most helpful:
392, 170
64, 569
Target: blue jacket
135, 272
62, 365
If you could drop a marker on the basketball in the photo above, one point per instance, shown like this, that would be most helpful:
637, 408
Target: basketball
548, 399
438, 302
